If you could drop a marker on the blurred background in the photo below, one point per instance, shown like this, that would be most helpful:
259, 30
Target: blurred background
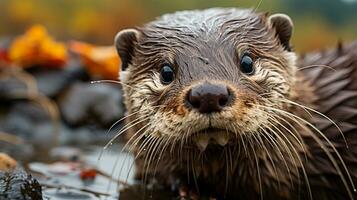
318, 23
58, 126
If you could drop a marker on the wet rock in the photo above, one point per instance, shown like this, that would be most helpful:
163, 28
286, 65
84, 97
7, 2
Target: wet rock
52, 81
23, 152
9, 87
18, 185
87, 103
33, 126
88, 134
29, 121
82, 135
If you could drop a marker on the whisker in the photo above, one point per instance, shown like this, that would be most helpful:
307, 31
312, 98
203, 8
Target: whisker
150, 149
137, 121
116, 164
297, 137
269, 154
227, 170
111, 127
321, 114
322, 145
311, 66
299, 159
131, 144
241, 139
286, 148
271, 159
163, 148
258, 169
115, 82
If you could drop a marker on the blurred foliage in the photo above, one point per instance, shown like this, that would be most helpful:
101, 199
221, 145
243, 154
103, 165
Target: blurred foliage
99, 61
36, 47
318, 23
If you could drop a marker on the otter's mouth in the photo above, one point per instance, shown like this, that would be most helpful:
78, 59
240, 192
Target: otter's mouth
215, 136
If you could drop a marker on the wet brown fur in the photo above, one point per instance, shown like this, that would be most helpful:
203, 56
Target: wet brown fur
206, 46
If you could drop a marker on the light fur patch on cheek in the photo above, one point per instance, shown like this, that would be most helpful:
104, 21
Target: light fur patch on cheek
157, 85
145, 88
159, 123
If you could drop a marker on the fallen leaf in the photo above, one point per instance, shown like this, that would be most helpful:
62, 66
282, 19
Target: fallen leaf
101, 62
37, 48
88, 174
7, 163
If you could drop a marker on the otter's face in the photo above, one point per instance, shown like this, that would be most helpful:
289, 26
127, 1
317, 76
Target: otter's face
205, 77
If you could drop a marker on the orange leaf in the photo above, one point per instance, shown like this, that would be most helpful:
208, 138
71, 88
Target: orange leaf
100, 61
36, 47
7, 163
88, 174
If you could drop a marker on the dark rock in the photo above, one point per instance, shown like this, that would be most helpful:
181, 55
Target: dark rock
83, 135
31, 122
18, 185
52, 81
22, 151
86, 103
9, 87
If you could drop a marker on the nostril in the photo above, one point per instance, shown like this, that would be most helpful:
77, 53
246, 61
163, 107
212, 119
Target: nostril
224, 98
195, 103
223, 101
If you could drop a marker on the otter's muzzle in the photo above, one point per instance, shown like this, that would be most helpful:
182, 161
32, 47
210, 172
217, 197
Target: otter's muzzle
208, 97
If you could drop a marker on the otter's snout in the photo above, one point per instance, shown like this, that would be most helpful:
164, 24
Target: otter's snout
208, 97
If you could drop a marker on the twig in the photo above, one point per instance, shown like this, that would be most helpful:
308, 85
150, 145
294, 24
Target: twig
9, 138
75, 188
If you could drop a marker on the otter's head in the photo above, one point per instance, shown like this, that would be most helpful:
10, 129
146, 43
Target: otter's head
205, 76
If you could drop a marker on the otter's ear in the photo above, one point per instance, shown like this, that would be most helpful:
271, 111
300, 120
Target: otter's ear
284, 28
125, 42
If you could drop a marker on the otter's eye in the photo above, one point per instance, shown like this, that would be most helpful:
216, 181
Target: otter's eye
167, 74
246, 65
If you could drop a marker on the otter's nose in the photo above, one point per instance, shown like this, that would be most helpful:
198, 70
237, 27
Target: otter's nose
208, 98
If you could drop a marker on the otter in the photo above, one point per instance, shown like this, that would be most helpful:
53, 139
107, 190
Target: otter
219, 106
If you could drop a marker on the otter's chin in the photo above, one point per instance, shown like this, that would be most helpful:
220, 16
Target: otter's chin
211, 136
